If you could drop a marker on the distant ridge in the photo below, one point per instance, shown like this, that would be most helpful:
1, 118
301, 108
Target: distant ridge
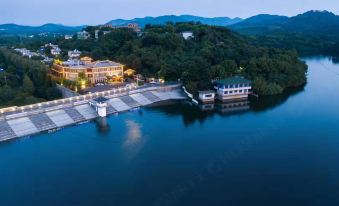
311, 22
216, 21
14, 29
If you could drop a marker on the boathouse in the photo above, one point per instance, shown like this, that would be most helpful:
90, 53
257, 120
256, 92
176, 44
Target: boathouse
233, 88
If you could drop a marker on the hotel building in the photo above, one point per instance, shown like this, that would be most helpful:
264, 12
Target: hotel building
96, 71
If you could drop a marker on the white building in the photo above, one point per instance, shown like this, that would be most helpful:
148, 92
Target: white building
187, 35
206, 96
96, 34
55, 51
67, 36
26, 52
107, 32
233, 88
83, 35
74, 54
51, 45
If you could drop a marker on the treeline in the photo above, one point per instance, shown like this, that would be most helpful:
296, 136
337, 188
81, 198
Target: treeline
304, 44
213, 53
24, 81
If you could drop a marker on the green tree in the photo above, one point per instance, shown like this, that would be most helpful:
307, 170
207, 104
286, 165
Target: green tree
28, 85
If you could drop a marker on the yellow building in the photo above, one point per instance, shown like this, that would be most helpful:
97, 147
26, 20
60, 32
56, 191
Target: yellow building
95, 71
129, 72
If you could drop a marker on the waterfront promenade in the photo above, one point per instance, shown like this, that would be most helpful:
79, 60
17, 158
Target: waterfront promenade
48, 116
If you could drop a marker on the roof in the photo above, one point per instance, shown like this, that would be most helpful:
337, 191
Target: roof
234, 80
56, 49
105, 63
129, 71
100, 99
75, 51
206, 92
86, 59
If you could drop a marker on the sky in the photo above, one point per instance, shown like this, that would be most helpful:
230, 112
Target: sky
93, 12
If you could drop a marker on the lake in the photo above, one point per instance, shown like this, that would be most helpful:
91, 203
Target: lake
281, 150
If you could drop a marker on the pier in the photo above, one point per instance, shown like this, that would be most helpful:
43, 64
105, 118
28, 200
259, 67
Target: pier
28, 120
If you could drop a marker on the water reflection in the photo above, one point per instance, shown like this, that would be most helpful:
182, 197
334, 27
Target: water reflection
134, 141
233, 107
134, 132
267, 103
102, 125
207, 107
335, 60
192, 113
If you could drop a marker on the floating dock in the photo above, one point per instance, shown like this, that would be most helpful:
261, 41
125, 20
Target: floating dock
18, 122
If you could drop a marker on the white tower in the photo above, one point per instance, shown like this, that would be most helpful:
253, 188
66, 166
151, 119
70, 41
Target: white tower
100, 106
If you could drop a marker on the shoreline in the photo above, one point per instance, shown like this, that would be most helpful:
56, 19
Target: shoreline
26, 124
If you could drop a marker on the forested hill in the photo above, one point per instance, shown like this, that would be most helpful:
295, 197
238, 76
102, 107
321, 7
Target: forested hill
310, 33
213, 52
311, 22
24, 81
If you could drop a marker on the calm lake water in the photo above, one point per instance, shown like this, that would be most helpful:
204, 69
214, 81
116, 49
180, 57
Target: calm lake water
282, 151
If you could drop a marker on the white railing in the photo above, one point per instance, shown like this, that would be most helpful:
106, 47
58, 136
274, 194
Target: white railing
78, 100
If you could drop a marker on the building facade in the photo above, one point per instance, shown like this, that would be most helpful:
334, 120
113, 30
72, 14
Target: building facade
83, 35
206, 96
233, 88
95, 71
133, 26
74, 54
55, 51
187, 35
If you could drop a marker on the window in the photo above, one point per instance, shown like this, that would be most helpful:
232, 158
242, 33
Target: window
208, 95
226, 92
240, 91
231, 86
231, 92
235, 91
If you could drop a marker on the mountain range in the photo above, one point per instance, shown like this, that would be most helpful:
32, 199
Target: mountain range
216, 21
14, 29
311, 22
